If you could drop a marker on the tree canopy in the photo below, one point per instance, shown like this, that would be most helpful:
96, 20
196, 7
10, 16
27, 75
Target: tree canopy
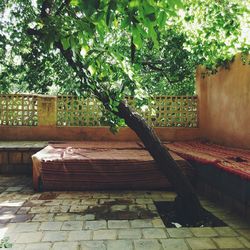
136, 47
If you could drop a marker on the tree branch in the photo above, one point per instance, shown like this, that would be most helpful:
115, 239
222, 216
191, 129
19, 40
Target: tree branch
62, 6
46, 8
132, 50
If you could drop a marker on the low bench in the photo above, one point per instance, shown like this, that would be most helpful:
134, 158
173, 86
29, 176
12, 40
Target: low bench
15, 156
223, 173
99, 166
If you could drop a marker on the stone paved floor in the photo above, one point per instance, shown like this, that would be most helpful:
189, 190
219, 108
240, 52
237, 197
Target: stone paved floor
104, 220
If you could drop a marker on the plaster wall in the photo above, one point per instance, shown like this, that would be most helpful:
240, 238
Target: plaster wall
224, 105
53, 133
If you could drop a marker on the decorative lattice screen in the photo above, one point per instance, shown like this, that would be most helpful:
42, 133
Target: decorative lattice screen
18, 110
164, 111
73, 111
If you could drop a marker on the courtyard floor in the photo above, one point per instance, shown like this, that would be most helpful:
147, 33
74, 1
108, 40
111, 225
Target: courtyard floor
105, 220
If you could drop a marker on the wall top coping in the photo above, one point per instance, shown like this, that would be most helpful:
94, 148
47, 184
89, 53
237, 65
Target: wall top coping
25, 145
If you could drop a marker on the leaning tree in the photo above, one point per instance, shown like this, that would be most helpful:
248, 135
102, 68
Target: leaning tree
102, 42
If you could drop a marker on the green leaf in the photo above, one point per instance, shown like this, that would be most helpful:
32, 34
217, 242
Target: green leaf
65, 43
175, 4
162, 19
90, 6
148, 9
74, 2
125, 22
109, 16
136, 37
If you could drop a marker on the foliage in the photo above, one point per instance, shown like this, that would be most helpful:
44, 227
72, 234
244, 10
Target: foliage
4, 243
111, 49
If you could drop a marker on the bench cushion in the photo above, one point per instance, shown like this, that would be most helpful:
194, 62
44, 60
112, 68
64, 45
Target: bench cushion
232, 160
99, 165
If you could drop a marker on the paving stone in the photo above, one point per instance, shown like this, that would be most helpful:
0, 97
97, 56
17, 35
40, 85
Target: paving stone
237, 223
70, 202
65, 246
119, 244
80, 235
96, 224
244, 241
147, 245
179, 232
64, 217
245, 233
8, 210
118, 224
21, 218
204, 232
78, 208
174, 244
55, 236
38, 246
43, 217
39, 210
23, 210
59, 209
153, 233
228, 242
168, 196
11, 203
105, 201
136, 208
119, 208
144, 201
158, 223
72, 225
104, 234
70, 195
53, 202
92, 245
50, 226
141, 223
129, 233
29, 237
16, 246
85, 217
225, 231
34, 203
6, 229
89, 201
14, 189
27, 227
151, 207
201, 243
103, 195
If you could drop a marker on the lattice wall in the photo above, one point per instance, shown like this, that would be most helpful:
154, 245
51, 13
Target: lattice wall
164, 111
18, 110
175, 111
73, 111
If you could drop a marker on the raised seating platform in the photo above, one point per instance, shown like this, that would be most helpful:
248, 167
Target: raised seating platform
15, 156
221, 172
98, 166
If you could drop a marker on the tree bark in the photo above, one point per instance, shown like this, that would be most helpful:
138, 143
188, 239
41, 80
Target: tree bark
187, 203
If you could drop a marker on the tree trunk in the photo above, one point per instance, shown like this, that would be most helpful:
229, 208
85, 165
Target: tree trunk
187, 203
